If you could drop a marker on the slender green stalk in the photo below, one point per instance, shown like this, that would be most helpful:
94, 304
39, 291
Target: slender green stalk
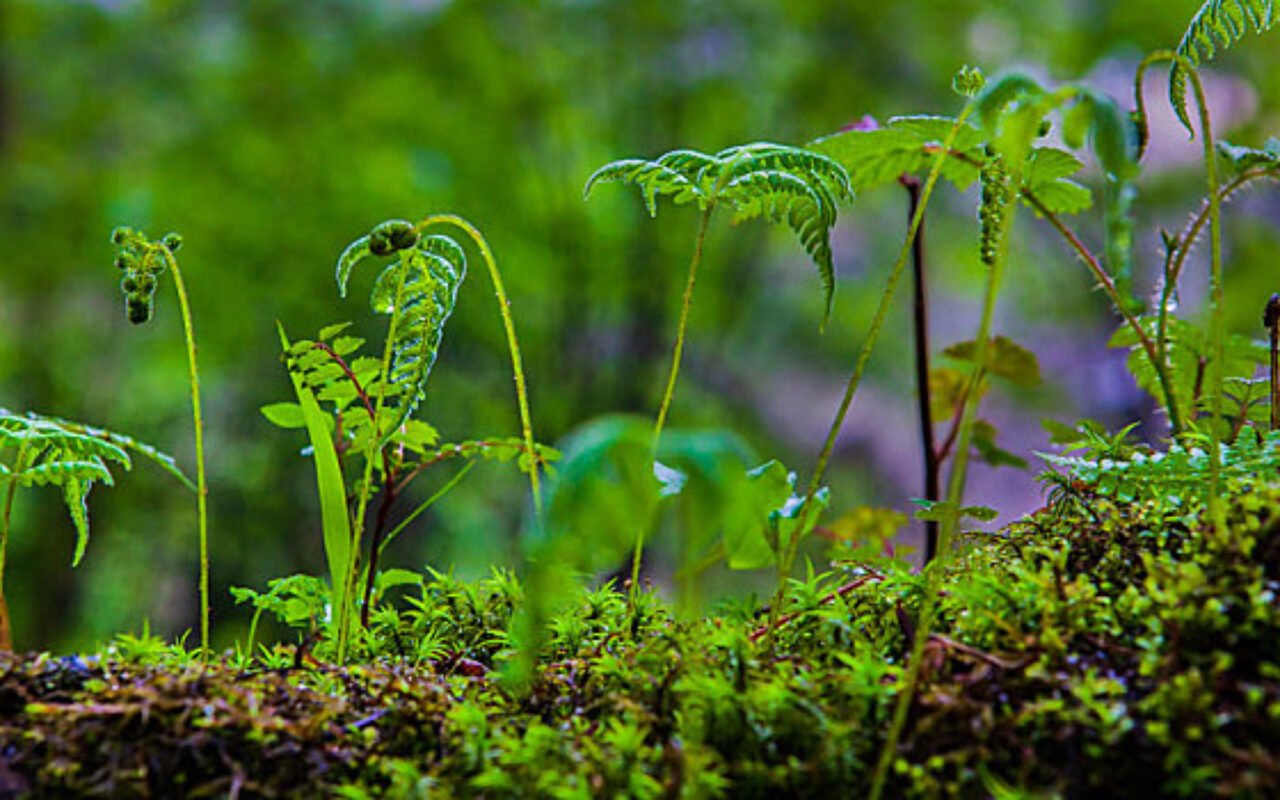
513, 344
788, 554
1151, 347
202, 488
6, 631
1270, 319
1216, 325
955, 496
428, 503
686, 303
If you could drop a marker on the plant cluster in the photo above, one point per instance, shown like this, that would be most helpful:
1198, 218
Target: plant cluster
1135, 614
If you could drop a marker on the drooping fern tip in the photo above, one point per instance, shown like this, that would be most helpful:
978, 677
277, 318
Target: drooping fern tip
1218, 25
142, 261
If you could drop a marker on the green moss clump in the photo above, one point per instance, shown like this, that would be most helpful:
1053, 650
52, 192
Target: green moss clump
1098, 648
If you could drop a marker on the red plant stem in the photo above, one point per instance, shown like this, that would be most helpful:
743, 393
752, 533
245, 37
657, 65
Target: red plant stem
351, 376
920, 313
762, 631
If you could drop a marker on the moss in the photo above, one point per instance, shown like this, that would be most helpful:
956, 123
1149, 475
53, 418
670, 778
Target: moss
1097, 648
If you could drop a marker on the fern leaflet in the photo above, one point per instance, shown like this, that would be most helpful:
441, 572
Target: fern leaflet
1217, 25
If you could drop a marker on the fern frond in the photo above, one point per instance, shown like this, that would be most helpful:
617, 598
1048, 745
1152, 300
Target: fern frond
60, 472
652, 177
765, 157
761, 179
1178, 477
1218, 25
163, 460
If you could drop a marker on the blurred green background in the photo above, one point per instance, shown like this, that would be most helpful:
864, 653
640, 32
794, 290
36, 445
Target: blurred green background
272, 133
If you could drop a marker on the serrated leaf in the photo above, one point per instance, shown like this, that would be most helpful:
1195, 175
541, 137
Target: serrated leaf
1218, 24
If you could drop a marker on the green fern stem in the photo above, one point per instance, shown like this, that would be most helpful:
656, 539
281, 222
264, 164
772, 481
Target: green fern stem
787, 556
686, 303
202, 488
1216, 324
513, 344
998, 256
6, 631
343, 615
1177, 257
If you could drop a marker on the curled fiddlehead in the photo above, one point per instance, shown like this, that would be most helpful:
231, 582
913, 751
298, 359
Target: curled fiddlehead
418, 290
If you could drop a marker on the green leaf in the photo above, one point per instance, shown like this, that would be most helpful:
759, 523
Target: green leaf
76, 493
984, 441
905, 145
284, 415
604, 492
947, 513
1046, 178
333, 494
1005, 359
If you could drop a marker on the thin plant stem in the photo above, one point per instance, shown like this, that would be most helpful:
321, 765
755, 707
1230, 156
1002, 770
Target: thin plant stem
6, 631
686, 303
1216, 324
202, 487
955, 495
1108, 285
920, 315
1270, 318
513, 344
788, 554
430, 501
1177, 257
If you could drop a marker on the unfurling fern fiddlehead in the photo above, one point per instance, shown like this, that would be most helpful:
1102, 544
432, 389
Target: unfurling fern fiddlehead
418, 290
143, 261
778, 182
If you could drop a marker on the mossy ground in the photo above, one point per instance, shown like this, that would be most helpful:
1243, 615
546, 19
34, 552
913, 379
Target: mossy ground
1095, 649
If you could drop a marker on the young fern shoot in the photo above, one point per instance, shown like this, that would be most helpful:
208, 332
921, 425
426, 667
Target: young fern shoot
143, 261
781, 183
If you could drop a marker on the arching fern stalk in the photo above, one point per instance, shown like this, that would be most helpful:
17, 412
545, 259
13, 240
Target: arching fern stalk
531, 463
143, 261
778, 182
47, 451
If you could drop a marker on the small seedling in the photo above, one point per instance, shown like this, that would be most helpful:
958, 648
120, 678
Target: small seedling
143, 261
374, 399
778, 182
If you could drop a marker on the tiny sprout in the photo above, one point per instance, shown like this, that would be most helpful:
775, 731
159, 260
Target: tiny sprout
968, 81
391, 236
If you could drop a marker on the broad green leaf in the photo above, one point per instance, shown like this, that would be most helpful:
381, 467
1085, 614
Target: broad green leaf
1005, 359
333, 492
